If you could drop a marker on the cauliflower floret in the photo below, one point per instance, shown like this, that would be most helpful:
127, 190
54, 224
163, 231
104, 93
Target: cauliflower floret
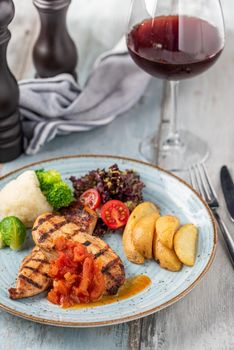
23, 198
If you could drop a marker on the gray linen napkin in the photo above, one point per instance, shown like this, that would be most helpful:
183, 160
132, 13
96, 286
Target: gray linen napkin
58, 106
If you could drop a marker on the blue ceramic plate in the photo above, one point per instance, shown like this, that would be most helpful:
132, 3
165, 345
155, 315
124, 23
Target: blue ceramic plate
173, 196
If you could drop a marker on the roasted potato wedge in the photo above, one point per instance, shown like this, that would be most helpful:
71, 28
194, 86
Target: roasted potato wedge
165, 256
185, 244
130, 250
166, 227
143, 234
141, 210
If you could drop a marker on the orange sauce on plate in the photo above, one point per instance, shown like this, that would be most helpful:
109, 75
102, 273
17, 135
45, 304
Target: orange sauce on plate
131, 287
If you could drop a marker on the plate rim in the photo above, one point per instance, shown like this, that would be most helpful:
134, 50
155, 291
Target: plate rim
139, 314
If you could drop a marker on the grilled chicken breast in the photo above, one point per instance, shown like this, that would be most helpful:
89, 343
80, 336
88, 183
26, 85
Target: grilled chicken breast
33, 276
48, 227
81, 219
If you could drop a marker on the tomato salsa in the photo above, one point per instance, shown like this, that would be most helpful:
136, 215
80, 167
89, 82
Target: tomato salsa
77, 277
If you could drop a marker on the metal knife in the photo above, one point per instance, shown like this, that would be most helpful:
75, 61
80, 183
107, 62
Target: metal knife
228, 189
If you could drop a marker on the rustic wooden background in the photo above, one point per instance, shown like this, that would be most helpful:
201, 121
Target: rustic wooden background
204, 319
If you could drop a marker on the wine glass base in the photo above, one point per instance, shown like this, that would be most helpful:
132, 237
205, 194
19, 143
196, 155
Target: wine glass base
191, 151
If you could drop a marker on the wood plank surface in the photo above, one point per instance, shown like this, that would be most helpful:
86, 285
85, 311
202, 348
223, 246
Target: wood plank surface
204, 319
86, 34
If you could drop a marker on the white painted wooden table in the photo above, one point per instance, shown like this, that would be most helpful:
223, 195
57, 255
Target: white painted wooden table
205, 318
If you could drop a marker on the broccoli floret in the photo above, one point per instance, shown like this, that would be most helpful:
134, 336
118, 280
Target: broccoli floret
57, 192
60, 195
47, 178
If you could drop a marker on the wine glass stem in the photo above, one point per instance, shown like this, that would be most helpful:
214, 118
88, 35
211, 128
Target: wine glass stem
173, 138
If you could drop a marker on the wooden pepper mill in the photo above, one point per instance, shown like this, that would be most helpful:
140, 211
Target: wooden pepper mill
10, 127
54, 51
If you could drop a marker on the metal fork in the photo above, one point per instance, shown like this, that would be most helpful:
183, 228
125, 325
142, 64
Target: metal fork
201, 182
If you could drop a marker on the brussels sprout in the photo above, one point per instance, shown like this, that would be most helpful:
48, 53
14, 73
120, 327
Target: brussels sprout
13, 232
2, 244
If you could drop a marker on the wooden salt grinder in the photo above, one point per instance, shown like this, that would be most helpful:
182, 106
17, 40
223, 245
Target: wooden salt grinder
54, 51
10, 128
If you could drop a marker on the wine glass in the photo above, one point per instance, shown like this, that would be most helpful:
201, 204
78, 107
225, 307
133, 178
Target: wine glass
175, 40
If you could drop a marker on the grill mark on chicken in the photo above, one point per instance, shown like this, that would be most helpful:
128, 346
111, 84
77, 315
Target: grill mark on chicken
101, 252
33, 276
37, 271
116, 279
42, 220
56, 227
27, 259
82, 222
30, 281
31, 257
43, 261
114, 288
110, 264
75, 232
87, 243
86, 216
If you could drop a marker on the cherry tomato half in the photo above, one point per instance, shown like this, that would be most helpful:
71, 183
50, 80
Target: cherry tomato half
91, 198
115, 214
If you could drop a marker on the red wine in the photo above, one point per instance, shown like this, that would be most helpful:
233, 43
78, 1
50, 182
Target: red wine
174, 47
